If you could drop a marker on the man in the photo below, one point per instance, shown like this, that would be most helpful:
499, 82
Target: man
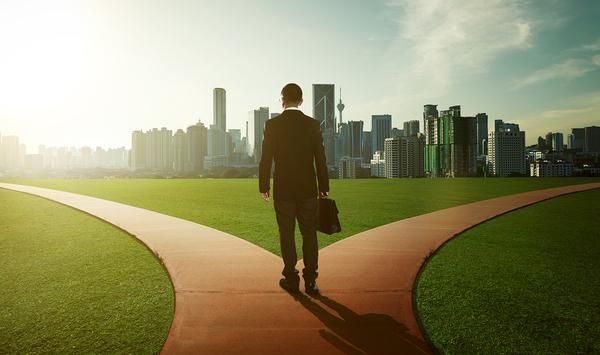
293, 140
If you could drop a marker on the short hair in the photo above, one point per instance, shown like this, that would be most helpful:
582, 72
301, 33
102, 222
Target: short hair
292, 92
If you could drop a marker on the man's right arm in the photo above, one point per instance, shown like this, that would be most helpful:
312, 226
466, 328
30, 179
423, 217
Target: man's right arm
266, 161
320, 160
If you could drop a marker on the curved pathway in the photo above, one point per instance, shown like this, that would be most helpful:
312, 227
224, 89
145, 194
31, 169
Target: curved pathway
228, 301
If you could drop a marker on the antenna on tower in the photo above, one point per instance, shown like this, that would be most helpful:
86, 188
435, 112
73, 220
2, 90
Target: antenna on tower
340, 106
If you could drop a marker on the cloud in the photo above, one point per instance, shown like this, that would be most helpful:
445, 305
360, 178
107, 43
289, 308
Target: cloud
567, 70
440, 43
593, 46
450, 35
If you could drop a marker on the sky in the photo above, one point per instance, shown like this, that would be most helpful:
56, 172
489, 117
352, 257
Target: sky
88, 73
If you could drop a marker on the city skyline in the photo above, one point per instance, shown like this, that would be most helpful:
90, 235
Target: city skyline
86, 73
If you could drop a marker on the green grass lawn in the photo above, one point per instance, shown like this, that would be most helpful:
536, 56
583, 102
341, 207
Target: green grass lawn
70, 283
234, 206
525, 282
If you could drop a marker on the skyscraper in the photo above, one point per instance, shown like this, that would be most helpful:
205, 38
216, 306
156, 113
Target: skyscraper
355, 129
548, 137
411, 128
342, 142
506, 148
324, 112
578, 139
259, 117
219, 109
381, 128
481, 120
570, 141
592, 139
397, 132
367, 145
557, 142
236, 139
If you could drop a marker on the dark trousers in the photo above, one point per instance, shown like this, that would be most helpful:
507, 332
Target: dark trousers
306, 212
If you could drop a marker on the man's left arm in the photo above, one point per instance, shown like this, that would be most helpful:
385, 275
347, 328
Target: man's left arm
266, 161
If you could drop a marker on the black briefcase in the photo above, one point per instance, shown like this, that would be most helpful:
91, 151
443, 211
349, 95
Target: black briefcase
329, 222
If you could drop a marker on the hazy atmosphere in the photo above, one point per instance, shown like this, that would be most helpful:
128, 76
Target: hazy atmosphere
90, 72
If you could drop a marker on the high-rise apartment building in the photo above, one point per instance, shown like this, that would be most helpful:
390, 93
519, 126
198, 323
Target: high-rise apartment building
506, 149
138, 150
381, 128
12, 153
259, 117
450, 143
159, 149
152, 149
180, 151
378, 164
404, 156
347, 167
544, 168
392, 152
324, 112
219, 109
430, 129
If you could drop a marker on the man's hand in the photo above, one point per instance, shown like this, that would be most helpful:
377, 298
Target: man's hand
265, 196
323, 194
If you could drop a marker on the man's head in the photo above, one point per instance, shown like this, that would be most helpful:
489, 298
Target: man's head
291, 95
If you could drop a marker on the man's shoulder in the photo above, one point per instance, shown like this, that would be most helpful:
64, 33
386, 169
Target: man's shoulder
297, 114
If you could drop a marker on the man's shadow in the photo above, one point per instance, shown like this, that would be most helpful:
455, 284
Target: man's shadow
354, 333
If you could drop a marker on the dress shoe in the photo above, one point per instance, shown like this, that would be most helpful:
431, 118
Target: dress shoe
289, 286
311, 287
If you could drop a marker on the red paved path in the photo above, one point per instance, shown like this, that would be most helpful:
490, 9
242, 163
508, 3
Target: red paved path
228, 301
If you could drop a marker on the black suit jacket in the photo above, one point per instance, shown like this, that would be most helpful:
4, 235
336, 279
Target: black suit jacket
294, 141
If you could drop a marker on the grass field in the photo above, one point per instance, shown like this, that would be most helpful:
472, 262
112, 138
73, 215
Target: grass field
525, 282
70, 283
234, 205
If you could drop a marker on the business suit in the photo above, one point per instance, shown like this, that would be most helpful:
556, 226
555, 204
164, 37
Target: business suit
294, 142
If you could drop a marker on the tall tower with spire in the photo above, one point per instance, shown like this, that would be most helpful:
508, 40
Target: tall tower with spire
340, 107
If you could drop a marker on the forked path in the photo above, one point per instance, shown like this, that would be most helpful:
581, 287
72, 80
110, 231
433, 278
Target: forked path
228, 301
